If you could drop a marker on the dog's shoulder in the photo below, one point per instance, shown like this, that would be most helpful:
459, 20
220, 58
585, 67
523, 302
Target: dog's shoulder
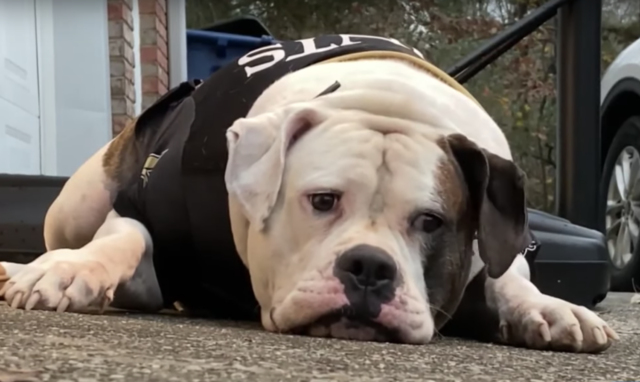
130, 149
124, 154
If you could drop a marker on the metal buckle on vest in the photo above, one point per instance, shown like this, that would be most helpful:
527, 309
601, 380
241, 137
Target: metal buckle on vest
332, 88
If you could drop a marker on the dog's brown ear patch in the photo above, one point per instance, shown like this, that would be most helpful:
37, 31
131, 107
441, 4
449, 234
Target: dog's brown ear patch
497, 198
452, 188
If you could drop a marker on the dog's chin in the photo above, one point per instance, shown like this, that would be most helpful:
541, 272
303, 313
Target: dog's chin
342, 325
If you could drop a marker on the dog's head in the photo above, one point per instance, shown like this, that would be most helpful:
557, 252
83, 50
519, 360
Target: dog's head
358, 225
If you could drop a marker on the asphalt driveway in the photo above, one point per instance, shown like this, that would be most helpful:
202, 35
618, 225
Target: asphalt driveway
46, 346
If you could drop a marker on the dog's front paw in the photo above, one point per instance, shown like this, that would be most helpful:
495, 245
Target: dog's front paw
62, 280
545, 322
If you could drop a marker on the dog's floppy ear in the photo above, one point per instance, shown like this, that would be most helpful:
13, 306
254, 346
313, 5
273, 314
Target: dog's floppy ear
497, 196
257, 150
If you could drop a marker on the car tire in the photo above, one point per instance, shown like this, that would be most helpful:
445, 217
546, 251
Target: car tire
623, 151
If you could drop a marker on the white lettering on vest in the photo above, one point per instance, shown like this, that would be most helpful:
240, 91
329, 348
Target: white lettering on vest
265, 51
309, 47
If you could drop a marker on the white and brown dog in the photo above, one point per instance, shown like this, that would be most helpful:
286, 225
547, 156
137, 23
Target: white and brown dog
380, 208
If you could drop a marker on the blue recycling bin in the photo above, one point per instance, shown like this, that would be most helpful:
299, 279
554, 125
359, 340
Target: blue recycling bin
208, 51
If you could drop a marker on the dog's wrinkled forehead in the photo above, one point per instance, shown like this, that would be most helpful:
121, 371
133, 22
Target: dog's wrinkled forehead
437, 176
404, 165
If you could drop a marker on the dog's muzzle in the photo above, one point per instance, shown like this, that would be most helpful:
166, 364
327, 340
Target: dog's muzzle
370, 278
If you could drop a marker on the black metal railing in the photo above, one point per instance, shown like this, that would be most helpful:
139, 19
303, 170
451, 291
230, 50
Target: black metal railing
489, 52
578, 98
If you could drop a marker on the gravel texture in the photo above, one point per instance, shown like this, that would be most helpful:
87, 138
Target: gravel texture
46, 346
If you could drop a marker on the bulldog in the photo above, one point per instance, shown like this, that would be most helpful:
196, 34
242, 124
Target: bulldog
338, 186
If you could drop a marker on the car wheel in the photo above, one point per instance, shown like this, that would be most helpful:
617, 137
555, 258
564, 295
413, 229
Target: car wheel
620, 200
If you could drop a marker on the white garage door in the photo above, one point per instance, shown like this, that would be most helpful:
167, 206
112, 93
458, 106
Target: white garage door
19, 105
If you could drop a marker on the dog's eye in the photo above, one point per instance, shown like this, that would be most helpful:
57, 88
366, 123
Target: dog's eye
427, 223
324, 201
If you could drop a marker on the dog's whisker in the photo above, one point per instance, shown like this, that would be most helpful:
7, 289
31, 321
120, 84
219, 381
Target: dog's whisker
430, 306
273, 320
437, 333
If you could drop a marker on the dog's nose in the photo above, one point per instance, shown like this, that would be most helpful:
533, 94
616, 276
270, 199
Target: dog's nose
370, 267
369, 276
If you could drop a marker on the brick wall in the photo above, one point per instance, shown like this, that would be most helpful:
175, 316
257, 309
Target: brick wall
122, 63
153, 56
153, 50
